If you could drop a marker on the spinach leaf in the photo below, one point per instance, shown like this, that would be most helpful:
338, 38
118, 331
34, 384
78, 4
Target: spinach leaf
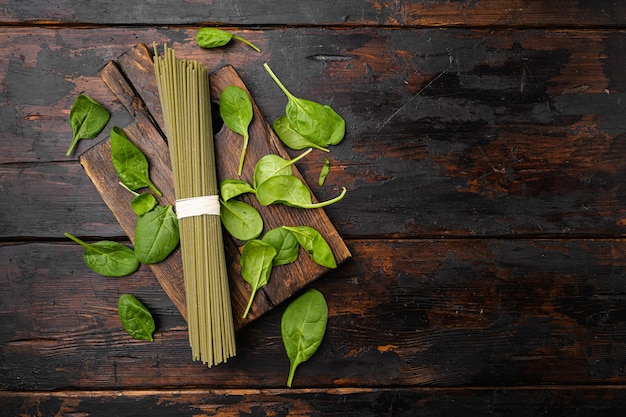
292, 139
272, 165
236, 112
136, 318
141, 203
256, 266
156, 235
214, 38
129, 162
290, 191
241, 220
302, 328
107, 258
231, 188
316, 122
87, 118
315, 244
286, 245
324, 172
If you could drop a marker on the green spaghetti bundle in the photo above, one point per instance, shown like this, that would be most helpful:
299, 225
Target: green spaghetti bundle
185, 100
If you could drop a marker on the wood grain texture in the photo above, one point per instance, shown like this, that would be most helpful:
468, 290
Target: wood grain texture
495, 125
405, 13
399, 402
432, 313
131, 78
450, 132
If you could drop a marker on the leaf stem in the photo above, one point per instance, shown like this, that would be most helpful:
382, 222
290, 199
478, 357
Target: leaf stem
277, 81
243, 154
292, 372
247, 42
245, 313
128, 189
77, 240
324, 203
72, 145
155, 190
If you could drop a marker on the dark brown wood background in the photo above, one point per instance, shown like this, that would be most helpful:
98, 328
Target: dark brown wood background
485, 162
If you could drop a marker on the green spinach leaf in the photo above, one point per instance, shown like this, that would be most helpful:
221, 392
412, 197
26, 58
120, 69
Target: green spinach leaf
214, 38
129, 162
324, 172
231, 188
292, 139
256, 266
87, 118
290, 191
302, 328
241, 220
316, 122
272, 165
107, 258
286, 245
136, 318
315, 244
236, 112
141, 203
156, 235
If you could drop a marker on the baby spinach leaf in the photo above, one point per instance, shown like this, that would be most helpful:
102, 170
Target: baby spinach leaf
129, 162
315, 244
316, 122
256, 266
241, 220
285, 243
290, 191
214, 38
324, 172
292, 139
236, 112
136, 318
231, 188
143, 203
272, 165
87, 118
156, 235
107, 258
302, 328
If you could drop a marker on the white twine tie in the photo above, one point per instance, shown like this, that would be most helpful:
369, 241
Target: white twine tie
197, 206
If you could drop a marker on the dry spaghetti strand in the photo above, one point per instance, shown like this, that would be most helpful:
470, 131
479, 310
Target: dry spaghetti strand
184, 93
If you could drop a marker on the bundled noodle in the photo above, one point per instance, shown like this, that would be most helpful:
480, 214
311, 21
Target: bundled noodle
185, 100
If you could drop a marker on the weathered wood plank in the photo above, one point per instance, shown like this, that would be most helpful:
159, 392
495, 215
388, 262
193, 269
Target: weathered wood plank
474, 13
47, 200
431, 402
402, 313
450, 132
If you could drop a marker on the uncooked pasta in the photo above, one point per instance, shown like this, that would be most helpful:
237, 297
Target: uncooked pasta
183, 87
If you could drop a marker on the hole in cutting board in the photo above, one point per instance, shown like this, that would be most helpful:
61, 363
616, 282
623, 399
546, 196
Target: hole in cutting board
216, 118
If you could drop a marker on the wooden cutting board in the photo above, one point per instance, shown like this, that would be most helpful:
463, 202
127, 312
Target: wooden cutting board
131, 78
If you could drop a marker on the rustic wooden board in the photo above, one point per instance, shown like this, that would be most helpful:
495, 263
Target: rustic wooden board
131, 79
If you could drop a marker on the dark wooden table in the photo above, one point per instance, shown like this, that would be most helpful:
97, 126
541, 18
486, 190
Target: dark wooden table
485, 162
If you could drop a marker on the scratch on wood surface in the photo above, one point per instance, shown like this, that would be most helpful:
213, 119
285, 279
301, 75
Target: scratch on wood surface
393, 115
330, 58
575, 90
453, 60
